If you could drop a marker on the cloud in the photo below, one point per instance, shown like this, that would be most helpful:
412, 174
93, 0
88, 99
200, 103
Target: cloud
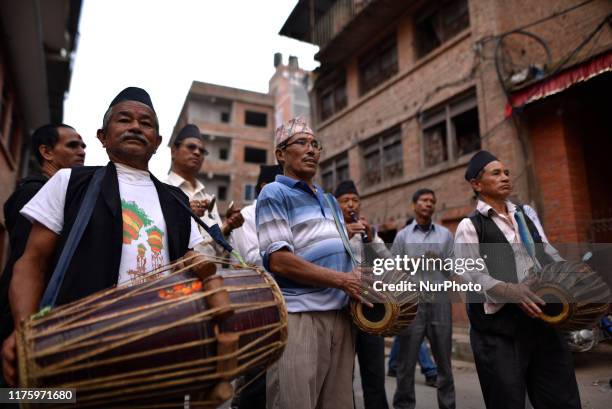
162, 47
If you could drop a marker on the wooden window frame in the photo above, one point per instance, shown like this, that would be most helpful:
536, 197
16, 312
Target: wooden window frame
333, 164
445, 114
332, 88
376, 145
436, 8
375, 56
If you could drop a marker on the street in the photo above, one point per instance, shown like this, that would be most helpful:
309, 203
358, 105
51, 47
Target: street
593, 372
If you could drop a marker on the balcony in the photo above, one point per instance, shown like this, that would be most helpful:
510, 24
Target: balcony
335, 19
340, 26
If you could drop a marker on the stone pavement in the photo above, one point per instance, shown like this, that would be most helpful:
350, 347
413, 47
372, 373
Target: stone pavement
593, 373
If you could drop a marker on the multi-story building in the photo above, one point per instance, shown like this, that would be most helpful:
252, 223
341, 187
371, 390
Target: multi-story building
289, 87
36, 49
408, 90
237, 126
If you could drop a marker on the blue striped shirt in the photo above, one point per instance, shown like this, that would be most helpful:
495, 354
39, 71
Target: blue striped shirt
291, 216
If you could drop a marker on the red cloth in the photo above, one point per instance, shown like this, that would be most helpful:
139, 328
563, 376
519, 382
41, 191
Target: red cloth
559, 82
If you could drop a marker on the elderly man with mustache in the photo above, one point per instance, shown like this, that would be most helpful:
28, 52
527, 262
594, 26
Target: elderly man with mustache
303, 242
514, 353
131, 206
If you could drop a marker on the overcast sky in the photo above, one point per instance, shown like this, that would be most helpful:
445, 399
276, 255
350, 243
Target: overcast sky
162, 46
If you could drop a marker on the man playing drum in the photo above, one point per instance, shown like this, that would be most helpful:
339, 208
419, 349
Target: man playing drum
188, 152
513, 352
299, 231
136, 225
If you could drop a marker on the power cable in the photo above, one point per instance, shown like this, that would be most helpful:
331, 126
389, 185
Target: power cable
536, 22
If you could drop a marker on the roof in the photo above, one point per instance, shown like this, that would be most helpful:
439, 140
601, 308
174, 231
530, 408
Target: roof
235, 94
297, 25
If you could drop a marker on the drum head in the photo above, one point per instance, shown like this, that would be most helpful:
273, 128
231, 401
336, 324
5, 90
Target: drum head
374, 320
558, 306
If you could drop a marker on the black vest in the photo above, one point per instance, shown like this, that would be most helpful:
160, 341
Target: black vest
95, 264
18, 228
499, 258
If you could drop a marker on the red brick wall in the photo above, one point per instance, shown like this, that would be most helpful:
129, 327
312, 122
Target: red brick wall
560, 174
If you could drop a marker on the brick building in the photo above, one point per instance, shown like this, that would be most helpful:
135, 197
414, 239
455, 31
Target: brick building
408, 90
36, 50
289, 87
238, 128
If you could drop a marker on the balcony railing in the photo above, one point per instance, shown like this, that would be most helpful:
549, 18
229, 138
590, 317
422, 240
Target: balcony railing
336, 18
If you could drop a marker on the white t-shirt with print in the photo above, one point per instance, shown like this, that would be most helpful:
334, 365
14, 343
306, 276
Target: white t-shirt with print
145, 243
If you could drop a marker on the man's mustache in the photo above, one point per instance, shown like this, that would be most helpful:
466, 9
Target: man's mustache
131, 135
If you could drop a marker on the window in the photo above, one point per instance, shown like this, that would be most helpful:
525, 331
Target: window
334, 171
383, 157
378, 64
467, 132
222, 193
209, 109
249, 193
451, 131
253, 118
218, 147
219, 185
255, 155
332, 99
438, 23
434, 140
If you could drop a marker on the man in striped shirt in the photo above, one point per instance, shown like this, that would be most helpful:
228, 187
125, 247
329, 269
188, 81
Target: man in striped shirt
302, 247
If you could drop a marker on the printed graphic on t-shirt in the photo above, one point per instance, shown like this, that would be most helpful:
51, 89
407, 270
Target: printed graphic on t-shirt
148, 242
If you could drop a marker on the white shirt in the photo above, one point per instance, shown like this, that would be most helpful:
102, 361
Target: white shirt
466, 234
207, 246
244, 239
145, 243
358, 247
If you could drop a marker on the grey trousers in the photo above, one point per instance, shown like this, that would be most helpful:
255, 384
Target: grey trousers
433, 320
316, 368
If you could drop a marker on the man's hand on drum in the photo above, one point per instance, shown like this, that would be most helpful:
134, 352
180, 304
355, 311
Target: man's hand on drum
8, 360
199, 207
359, 286
522, 295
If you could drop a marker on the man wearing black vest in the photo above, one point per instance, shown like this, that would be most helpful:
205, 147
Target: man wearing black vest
514, 352
55, 146
137, 222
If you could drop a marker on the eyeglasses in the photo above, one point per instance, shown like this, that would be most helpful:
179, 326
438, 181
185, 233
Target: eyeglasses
193, 147
304, 143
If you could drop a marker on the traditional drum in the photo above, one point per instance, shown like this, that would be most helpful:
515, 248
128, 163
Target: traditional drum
150, 344
389, 317
576, 297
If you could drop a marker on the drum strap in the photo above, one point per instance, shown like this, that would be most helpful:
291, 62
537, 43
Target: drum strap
526, 238
74, 237
214, 231
343, 236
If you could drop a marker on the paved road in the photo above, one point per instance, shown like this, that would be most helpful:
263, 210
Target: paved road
593, 372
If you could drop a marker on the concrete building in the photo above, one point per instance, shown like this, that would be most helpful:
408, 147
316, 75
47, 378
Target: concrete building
408, 90
238, 128
289, 88
37, 44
